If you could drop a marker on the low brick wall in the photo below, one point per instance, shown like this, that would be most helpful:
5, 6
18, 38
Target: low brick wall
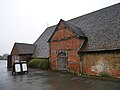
102, 63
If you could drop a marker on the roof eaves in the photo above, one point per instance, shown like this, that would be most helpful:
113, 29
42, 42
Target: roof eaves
54, 30
75, 29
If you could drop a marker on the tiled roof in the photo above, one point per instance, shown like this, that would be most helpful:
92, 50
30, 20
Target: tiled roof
42, 49
76, 30
102, 28
24, 48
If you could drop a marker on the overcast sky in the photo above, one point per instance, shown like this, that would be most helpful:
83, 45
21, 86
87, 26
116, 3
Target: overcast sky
24, 20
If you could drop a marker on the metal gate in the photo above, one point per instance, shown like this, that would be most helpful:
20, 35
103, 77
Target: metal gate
62, 61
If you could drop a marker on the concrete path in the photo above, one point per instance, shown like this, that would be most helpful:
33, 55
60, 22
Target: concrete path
47, 80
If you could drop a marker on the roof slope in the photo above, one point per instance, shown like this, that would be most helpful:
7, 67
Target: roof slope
72, 27
42, 49
24, 48
102, 28
75, 29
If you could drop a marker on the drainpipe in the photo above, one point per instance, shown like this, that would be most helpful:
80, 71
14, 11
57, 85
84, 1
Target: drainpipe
81, 63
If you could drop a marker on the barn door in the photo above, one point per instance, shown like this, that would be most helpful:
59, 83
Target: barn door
62, 61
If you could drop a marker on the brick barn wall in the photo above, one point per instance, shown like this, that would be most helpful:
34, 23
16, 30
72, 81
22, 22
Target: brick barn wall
102, 63
9, 61
64, 39
25, 57
14, 51
16, 56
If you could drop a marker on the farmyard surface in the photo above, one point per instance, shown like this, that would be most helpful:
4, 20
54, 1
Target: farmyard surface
48, 80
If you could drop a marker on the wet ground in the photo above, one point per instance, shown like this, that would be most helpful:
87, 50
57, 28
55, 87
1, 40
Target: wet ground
48, 80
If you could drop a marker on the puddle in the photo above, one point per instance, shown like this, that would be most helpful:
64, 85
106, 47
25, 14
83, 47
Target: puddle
48, 80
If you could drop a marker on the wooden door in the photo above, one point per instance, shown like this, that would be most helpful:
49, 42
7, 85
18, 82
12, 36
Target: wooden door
62, 61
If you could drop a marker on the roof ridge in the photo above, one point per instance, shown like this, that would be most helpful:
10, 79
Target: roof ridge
110, 6
43, 33
23, 43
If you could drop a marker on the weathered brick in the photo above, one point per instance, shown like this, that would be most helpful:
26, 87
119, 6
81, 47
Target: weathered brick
64, 39
102, 63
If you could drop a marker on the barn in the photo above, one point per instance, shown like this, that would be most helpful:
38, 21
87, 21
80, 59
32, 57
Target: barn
89, 44
64, 44
22, 52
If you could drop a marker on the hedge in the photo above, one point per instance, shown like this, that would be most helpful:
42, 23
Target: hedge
39, 63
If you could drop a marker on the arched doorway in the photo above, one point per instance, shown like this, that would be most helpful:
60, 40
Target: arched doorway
62, 61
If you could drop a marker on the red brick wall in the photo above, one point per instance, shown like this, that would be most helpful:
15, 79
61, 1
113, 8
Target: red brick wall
16, 56
64, 39
25, 57
9, 61
102, 63
14, 51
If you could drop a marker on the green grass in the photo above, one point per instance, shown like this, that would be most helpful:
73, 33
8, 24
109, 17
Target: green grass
39, 63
